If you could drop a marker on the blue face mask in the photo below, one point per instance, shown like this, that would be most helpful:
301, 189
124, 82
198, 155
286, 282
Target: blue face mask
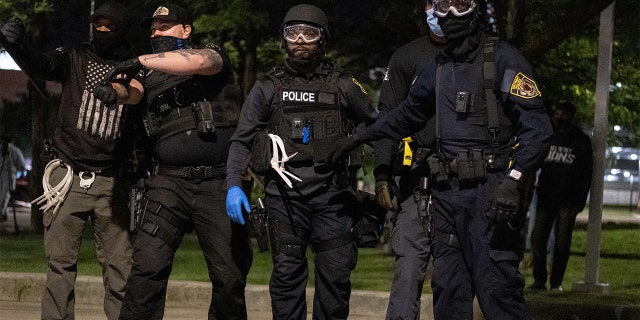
432, 21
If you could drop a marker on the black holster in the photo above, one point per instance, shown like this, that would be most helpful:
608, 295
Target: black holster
136, 209
259, 225
422, 197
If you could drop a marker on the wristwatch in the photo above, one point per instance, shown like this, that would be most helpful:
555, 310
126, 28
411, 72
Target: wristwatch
514, 174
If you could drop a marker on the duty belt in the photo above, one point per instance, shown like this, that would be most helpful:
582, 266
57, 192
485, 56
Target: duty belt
200, 172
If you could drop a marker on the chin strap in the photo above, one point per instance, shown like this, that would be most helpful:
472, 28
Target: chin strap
278, 164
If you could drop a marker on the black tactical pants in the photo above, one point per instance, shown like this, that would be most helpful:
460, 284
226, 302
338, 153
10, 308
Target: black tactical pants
323, 222
197, 204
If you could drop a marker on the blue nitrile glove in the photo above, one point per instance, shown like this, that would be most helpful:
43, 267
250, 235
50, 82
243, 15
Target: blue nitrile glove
235, 200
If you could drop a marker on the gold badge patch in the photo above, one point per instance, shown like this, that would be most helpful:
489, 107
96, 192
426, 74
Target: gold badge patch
161, 11
359, 85
524, 87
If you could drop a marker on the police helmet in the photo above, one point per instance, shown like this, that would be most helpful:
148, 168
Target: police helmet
309, 14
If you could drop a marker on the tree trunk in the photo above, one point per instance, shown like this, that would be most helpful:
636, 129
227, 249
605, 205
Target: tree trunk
249, 72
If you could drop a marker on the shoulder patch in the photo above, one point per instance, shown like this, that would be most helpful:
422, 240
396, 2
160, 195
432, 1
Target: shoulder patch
359, 85
524, 87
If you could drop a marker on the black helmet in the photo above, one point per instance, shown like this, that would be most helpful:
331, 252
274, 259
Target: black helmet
307, 13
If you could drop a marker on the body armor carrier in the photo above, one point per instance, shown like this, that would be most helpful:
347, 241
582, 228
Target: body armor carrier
190, 106
308, 116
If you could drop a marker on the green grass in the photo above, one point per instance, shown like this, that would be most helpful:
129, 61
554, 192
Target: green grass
619, 264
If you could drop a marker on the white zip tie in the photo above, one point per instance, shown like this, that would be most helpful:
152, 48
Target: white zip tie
277, 164
54, 196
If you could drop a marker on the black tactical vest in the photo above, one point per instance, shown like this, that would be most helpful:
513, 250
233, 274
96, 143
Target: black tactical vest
193, 104
308, 116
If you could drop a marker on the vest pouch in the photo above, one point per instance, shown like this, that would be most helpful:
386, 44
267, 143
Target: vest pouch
439, 172
261, 153
151, 125
322, 147
203, 116
471, 165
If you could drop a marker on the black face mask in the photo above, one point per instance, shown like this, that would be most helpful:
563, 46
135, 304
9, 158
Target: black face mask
455, 28
167, 43
108, 42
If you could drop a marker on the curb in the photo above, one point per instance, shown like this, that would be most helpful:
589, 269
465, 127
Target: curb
27, 287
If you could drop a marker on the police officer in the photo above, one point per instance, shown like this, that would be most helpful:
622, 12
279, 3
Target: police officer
486, 138
295, 113
407, 160
190, 115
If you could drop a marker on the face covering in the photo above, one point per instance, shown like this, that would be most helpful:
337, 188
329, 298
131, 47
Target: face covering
167, 43
106, 42
432, 21
455, 27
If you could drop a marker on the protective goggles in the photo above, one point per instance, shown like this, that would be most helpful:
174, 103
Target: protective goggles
458, 7
308, 33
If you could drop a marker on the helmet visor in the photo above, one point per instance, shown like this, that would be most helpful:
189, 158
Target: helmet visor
307, 33
458, 7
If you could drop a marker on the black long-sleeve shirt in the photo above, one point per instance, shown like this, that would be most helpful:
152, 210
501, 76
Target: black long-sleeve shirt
255, 115
405, 65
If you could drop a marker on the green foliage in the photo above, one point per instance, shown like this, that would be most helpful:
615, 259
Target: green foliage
269, 54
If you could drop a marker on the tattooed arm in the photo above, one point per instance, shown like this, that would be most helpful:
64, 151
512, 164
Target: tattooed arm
184, 62
205, 61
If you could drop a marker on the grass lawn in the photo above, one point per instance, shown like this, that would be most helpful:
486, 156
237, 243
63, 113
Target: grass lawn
619, 264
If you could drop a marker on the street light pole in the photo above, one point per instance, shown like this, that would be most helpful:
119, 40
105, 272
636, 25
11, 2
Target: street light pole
592, 260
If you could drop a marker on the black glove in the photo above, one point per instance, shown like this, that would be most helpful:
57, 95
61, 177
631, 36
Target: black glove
129, 68
385, 194
14, 31
503, 204
341, 149
107, 94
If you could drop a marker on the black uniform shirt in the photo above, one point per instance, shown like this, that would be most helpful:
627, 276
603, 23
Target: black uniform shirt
403, 69
255, 115
522, 113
